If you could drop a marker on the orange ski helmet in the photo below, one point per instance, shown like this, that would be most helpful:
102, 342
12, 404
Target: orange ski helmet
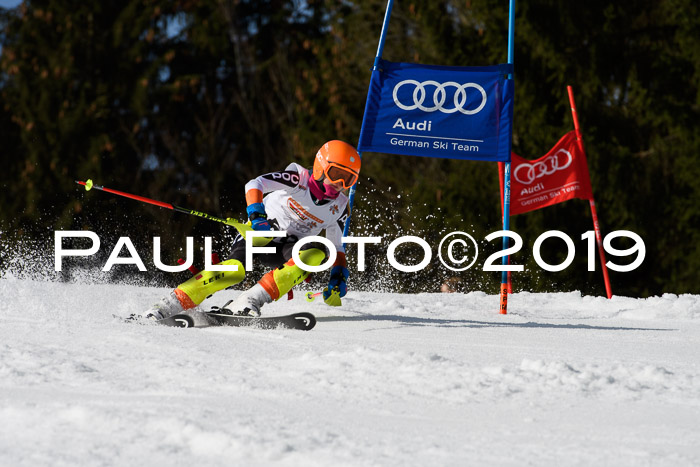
338, 161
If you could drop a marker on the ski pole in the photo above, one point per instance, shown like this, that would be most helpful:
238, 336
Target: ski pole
242, 228
311, 296
332, 300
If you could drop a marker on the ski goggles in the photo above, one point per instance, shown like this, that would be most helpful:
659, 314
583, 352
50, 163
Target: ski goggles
337, 173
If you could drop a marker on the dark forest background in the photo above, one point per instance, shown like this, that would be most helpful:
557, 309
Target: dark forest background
185, 101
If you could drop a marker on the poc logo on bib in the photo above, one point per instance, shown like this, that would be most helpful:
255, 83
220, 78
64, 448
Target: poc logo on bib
468, 98
286, 177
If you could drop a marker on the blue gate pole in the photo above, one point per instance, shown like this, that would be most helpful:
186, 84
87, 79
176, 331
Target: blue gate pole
377, 59
506, 175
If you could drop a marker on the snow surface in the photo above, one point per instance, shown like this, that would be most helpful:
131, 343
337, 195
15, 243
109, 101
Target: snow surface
388, 379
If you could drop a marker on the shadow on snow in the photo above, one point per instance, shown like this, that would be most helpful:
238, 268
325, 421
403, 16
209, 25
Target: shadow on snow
413, 321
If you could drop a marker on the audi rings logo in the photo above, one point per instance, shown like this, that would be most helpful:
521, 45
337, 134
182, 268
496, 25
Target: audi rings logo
528, 173
440, 96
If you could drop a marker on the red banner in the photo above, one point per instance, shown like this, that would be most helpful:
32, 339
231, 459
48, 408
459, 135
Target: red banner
559, 175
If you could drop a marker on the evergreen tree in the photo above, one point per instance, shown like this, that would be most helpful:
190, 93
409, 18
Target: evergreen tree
186, 101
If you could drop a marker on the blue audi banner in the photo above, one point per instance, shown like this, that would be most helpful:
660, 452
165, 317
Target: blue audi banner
439, 111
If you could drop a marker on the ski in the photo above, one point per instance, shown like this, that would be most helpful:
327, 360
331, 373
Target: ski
178, 321
301, 321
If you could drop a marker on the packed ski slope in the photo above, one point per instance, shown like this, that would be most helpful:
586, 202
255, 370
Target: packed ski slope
388, 379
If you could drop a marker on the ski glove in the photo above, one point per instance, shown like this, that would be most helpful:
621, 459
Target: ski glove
339, 277
257, 216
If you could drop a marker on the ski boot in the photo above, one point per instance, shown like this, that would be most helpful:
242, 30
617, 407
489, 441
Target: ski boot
168, 306
275, 283
249, 302
192, 292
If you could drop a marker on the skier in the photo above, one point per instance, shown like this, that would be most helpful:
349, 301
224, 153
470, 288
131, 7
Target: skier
301, 201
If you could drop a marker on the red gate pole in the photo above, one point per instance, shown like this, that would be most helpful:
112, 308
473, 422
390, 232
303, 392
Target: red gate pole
594, 214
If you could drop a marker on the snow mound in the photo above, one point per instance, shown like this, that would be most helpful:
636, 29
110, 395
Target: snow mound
387, 379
